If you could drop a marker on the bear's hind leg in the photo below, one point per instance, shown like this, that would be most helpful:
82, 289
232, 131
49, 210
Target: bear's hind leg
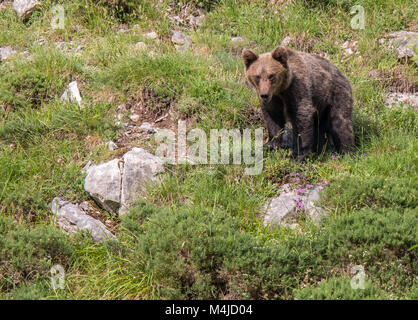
341, 126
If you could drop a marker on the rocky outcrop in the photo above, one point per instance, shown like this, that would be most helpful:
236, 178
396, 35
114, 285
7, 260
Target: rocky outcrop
104, 182
404, 42
117, 184
72, 218
402, 99
285, 209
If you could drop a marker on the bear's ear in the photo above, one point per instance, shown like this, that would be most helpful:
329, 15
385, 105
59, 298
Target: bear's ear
280, 54
249, 57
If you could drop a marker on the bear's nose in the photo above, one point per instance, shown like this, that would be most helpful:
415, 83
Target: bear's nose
264, 96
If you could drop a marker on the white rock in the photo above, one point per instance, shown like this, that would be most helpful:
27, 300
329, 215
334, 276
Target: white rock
6, 52
135, 117
398, 98
140, 45
151, 35
117, 184
237, 39
180, 40
24, 7
112, 146
72, 94
140, 168
198, 20
283, 210
147, 127
71, 218
104, 182
286, 41
404, 43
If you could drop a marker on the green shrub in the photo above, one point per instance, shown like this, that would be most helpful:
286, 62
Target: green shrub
27, 255
339, 289
29, 83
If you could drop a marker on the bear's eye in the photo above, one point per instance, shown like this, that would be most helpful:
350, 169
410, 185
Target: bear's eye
257, 78
272, 77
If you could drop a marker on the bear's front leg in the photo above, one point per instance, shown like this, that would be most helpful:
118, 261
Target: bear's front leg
275, 121
303, 127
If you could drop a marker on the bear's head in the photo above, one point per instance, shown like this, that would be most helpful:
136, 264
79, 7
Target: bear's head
268, 73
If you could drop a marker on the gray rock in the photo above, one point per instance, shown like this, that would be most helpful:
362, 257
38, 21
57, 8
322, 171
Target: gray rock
398, 98
404, 43
104, 182
181, 41
135, 117
6, 52
112, 146
237, 39
140, 168
69, 47
140, 46
350, 47
116, 184
197, 21
286, 41
24, 7
72, 94
72, 218
147, 127
151, 35
284, 209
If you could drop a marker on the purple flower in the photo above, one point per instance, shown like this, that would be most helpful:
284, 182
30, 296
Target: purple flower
301, 191
363, 154
320, 188
300, 204
309, 186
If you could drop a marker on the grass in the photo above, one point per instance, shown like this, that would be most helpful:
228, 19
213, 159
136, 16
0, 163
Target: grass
199, 234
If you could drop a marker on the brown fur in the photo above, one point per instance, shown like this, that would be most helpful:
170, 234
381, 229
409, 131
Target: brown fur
306, 90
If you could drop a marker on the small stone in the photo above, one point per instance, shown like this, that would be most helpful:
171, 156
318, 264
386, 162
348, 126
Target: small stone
286, 41
237, 39
180, 40
147, 127
140, 45
151, 35
285, 208
198, 20
112, 146
6, 52
72, 218
72, 94
135, 117
399, 98
404, 43
24, 7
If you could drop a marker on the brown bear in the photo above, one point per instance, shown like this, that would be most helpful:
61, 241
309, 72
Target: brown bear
306, 90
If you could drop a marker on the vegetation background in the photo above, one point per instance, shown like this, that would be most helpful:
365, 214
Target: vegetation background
199, 234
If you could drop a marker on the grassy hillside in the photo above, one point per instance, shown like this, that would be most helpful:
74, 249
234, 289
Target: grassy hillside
199, 234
